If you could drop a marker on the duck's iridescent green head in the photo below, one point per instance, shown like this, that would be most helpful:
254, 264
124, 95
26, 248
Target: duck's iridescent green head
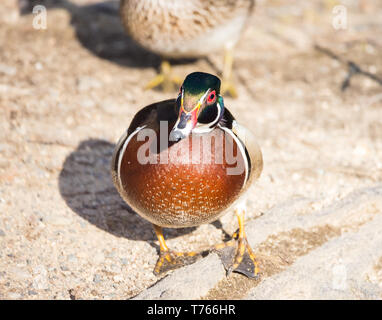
200, 105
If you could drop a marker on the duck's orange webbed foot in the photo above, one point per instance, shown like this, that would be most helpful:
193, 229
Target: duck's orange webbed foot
168, 259
236, 254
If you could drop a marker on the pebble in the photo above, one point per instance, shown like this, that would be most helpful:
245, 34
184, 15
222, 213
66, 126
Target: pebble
360, 150
20, 274
296, 176
85, 83
118, 278
72, 258
111, 254
7, 70
64, 268
38, 66
2, 233
40, 281
97, 278
14, 295
115, 268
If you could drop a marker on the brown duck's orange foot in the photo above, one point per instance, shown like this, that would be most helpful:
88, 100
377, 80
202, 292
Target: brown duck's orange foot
237, 256
165, 79
170, 260
229, 87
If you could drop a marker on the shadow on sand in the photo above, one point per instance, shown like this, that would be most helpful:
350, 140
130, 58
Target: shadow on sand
99, 29
86, 186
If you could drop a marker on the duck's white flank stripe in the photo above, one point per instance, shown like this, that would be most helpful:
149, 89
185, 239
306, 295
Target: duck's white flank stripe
120, 156
242, 150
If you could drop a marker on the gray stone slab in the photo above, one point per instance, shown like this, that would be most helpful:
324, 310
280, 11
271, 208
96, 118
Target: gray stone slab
340, 269
190, 282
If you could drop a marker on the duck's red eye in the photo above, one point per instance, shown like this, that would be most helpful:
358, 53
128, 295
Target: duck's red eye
211, 98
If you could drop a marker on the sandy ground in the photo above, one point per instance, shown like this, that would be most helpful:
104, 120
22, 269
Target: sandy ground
67, 93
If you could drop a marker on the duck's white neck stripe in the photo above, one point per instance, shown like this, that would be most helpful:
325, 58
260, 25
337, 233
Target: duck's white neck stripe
208, 127
242, 150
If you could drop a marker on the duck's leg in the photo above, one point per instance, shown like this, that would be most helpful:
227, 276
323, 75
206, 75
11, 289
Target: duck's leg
168, 259
239, 258
227, 82
165, 78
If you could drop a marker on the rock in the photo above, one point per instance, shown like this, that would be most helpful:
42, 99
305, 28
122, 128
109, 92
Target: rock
14, 295
20, 274
115, 268
337, 270
38, 66
97, 278
7, 70
283, 218
190, 282
286, 216
2, 233
40, 281
86, 83
64, 267
72, 258
118, 278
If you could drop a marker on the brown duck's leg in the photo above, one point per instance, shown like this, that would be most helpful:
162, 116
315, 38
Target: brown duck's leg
165, 78
239, 258
227, 82
169, 260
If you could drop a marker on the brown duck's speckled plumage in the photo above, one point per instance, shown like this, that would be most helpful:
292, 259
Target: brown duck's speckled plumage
178, 28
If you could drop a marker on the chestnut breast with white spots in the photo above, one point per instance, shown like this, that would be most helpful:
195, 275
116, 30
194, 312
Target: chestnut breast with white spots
194, 187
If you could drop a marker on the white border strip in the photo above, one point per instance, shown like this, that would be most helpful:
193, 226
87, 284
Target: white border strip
242, 149
120, 156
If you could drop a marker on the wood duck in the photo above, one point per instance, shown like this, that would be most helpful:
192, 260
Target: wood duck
177, 29
184, 162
